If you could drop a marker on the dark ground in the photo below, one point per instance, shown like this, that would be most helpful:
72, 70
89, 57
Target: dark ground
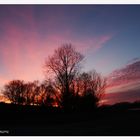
118, 120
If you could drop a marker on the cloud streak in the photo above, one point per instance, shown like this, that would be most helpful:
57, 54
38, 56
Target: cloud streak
129, 74
124, 83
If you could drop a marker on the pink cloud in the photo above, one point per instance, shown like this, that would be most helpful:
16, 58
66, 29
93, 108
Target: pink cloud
128, 74
122, 96
124, 84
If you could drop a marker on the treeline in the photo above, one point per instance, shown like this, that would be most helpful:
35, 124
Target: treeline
67, 87
30, 93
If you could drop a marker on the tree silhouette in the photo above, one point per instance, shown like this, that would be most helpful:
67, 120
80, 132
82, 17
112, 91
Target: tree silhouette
46, 92
92, 87
64, 63
89, 88
14, 91
51, 98
31, 91
69, 88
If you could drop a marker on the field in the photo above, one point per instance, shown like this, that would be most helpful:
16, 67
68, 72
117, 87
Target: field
119, 120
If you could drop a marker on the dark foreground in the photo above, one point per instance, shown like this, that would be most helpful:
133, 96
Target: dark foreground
35, 121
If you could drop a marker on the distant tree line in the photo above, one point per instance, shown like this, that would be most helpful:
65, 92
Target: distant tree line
67, 87
31, 93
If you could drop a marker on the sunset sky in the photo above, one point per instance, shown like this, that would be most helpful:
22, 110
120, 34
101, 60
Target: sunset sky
108, 36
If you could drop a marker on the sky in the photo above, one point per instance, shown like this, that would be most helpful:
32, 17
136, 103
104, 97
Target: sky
107, 35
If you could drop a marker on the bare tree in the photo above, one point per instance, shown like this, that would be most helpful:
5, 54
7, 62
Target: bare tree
98, 84
50, 94
91, 88
31, 91
64, 63
14, 91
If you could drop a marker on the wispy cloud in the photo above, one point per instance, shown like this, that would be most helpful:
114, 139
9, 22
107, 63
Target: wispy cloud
122, 96
124, 82
130, 73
